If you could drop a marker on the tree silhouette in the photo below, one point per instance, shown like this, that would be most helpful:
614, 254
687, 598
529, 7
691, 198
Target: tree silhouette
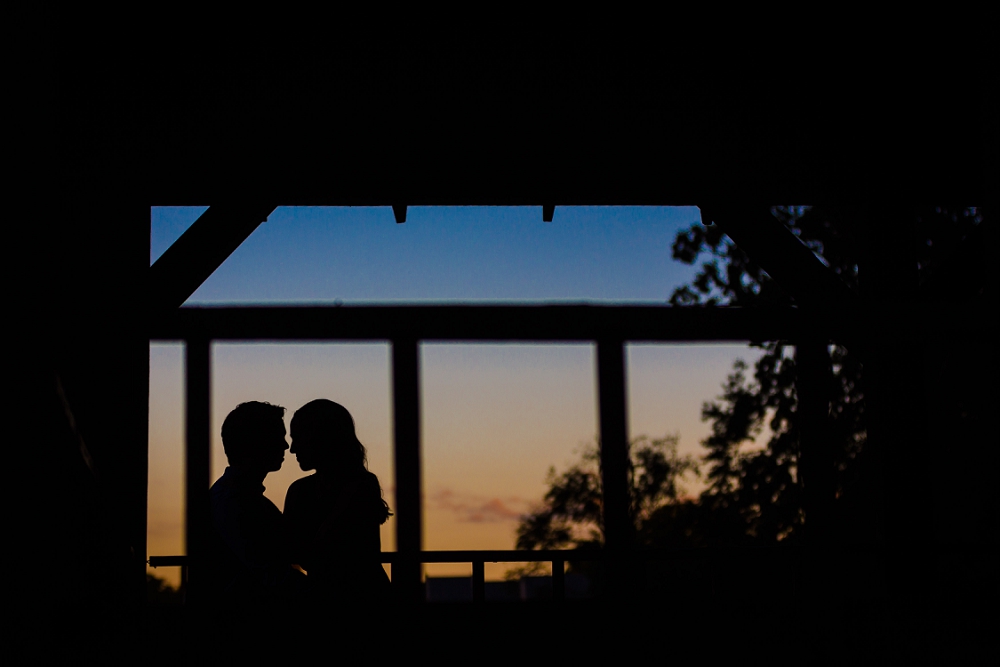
756, 495
570, 515
159, 591
753, 496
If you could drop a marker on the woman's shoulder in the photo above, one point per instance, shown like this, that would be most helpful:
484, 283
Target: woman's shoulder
302, 486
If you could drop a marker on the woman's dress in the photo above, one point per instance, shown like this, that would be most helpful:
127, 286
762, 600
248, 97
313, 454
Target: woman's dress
335, 523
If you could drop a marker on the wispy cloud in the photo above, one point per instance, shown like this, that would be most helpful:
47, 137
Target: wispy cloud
479, 509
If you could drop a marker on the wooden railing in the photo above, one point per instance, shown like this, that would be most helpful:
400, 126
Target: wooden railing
404, 327
558, 558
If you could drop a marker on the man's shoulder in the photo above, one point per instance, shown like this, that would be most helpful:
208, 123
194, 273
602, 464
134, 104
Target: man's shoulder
223, 486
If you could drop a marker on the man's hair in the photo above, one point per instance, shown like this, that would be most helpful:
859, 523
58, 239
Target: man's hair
244, 425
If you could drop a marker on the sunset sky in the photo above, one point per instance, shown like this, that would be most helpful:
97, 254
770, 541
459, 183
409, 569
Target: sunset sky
494, 417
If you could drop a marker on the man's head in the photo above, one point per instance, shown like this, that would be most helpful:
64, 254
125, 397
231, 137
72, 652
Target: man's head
253, 436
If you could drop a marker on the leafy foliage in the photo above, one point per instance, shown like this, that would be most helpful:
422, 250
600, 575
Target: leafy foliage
571, 511
756, 494
753, 495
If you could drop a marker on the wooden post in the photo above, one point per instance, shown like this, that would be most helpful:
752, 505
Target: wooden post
897, 437
198, 459
816, 461
816, 475
478, 581
618, 528
558, 580
406, 428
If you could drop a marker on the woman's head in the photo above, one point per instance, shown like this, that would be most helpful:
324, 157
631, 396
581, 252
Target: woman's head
323, 437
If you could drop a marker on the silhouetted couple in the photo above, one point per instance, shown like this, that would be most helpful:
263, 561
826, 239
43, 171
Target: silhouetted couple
330, 527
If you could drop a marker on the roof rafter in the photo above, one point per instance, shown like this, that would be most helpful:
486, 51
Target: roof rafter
781, 254
200, 250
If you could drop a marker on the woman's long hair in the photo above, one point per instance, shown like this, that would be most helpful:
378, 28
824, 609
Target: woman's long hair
332, 423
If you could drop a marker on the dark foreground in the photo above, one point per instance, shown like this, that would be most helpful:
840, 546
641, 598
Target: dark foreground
578, 632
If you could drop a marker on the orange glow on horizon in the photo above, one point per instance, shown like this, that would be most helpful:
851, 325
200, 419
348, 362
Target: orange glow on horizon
495, 418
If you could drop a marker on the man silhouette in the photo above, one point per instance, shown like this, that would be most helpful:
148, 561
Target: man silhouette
248, 548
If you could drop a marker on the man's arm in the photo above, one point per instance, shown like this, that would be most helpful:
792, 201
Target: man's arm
252, 530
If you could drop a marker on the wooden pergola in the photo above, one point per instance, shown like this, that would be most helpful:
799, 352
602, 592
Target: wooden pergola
553, 126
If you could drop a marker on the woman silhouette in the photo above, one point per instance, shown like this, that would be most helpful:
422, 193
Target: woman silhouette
334, 515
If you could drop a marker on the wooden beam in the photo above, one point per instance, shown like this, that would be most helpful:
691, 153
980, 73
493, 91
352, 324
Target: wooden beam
774, 248
85, 455
560, 323
492, 323
200, 250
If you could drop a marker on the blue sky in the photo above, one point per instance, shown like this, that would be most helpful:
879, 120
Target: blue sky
360, 255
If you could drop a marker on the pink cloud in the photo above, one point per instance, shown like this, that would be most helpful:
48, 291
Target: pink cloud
480, 509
